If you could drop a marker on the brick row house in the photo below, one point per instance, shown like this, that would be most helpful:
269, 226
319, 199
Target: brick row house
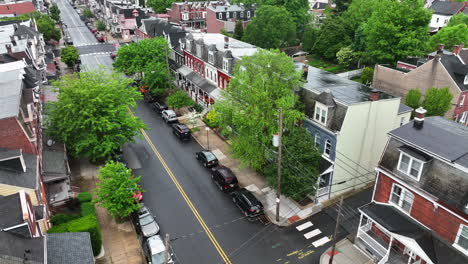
419, 209
440, 69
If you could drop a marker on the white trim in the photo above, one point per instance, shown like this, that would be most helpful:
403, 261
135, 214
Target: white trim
325, 147
401, 199
455, 243
322, 109
13, 227
375, 185
410, 165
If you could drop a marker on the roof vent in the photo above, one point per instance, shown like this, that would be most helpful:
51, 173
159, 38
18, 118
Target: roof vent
419, 116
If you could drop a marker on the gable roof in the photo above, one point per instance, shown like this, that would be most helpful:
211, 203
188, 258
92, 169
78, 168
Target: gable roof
463, 54
28, 179
24, 30
17, 8
11, 211
13, 248
446, 7
456, 69
71, 248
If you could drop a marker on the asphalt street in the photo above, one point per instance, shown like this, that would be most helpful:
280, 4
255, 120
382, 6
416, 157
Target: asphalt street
242, 241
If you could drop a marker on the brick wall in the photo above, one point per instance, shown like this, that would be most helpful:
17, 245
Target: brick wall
213, 25
174, 13
460, 108
383, 188
12, 136
194, 63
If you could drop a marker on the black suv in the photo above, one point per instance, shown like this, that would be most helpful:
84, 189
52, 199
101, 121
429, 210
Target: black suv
247, 202
224, 178
158, 107
207, 158
181, 131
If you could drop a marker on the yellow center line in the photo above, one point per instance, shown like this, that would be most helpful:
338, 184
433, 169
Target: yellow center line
186, 198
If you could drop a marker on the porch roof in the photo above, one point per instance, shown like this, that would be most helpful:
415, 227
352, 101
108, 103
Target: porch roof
201, 82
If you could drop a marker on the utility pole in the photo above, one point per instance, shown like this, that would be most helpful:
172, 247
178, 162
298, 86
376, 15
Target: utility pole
167, 67
278, 181
335, 234
166, 252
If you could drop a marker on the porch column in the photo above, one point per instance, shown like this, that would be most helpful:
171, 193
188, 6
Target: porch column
359, 226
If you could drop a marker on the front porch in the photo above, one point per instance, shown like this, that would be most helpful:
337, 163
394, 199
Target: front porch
199, 89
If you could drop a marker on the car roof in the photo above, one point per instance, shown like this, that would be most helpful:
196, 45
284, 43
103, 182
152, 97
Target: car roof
169, 111
209, 154
156, 244
143, 211
225, 172
251, 199
182, 126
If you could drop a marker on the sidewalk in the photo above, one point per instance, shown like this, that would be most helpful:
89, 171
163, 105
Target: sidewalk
345, 253
119, 241
290, 211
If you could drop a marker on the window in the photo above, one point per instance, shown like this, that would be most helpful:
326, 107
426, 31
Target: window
199, 51
401, 198
242, 14
461, 241
464, 117
410, 166
226, 65
446, 20
189, 46
320, 113
327, 148
437, 21
227, 15
211, 57
185, 16
248, 14
204, 14
317, 140
234, 14
462, 100
220, 15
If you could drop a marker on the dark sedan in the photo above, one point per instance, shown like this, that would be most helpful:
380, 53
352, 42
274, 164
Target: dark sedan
158, 107
224, 178
181, 131
207, 158
247, 202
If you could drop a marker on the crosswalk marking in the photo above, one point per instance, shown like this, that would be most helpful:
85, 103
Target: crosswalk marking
304, 226
311, 234
321, 242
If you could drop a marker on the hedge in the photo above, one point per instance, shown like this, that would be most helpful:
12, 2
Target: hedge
63, 218
85, 197
87, 209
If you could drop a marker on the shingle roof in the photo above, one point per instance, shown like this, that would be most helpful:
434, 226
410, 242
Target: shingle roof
70, 248
8, 153
464, 53
28, 179
404, 109
456, 69
446, 7
24, 30
13, 248
17, 8
10, 210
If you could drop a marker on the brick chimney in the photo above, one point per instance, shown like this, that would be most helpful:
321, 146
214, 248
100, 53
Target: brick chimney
8, 47
419, 116
305, 70
458, 48
226, 42
374, 95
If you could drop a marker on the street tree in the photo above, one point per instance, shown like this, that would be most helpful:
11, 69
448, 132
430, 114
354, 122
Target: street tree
91, 115
46, 26
334, 34
87, 13
69, 55
262, 83
272, 27
179, 99
457, 19
159, 6
413, 98
437, 101
359, 11
54, 12
101, 26
396, 30
449, 36
299, 12
238, 30
341, 6
116, 190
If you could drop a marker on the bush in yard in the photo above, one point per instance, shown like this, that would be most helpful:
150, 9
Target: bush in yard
101, 26
88, 224
61, 228
178, 100
212, 119
367, 75
198, 107
62, 218
413, 98
85, 197
88, 209
346, 56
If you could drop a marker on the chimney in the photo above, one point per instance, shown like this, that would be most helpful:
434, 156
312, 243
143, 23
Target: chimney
226, 42
440, 48
13, 40
419, 116
374, 95
458, 48
8, 47
305, 70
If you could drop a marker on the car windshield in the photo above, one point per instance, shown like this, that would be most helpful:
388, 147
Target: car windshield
148, 219
158, 258
209, 156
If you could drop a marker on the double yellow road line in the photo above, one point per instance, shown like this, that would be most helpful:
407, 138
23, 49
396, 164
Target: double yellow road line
186, 198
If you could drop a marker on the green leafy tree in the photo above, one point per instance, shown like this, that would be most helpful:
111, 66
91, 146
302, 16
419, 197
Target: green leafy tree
341, 5
91, 115
396, 30
359, 11
367, 75
250, 106
458, 19
346, 56
179, 99
159, 6
309, 38
334, 35
101, 26
69, 55
116, 189
238, 30
300, 165
46, 26
225, 33
450, 36
299, 12
54, 12
437, 101
413, 98
88, 14
272, 27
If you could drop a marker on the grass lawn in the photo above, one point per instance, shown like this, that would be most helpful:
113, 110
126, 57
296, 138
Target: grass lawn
316, 61
357, 79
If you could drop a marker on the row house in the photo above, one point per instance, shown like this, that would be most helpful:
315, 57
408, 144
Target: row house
209, 64
441, 69
13, 9
225, 17
24, 239
442, 11
419, 209
190, 14
348, 123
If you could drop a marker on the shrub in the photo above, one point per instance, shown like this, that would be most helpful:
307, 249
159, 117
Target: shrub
62, 228
198, 108
88, 224
367, 75
85, 197
212, 119
63, 218
88, 209
73, 204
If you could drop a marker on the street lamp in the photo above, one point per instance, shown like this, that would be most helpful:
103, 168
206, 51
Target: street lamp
277, 142
207, 138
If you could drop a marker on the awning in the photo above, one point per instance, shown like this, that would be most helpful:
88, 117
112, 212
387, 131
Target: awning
202, 83
216, 94
184, 70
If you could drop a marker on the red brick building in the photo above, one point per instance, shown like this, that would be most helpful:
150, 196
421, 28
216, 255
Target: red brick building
418, 212
225, 17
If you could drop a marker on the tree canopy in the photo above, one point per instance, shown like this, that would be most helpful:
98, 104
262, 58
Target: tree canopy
449, 36
116, 189
159, 6
91, 115
179, 99
54, 12
69, 55
437, 101
272, 27
413, 98
334, 34
238, 30
457, 19
46, 26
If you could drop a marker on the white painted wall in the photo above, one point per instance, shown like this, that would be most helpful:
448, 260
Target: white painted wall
438, 21
211, 73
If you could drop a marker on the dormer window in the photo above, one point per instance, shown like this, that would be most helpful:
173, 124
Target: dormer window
242, 14
185, 16
220, 15
321, 112
227, 15
248, 14
211, 57
189, 46
410, 166
225, 64
199, 50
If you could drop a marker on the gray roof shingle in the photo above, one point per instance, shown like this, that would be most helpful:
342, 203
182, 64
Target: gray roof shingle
13, 247
10, 210
446, 7
28, 179
70, 248
456, 69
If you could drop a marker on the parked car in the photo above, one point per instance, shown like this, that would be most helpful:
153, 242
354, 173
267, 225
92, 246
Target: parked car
145, 222
224, 178
155, 249
247, 202
158, 107
207, 158
113, 55
169, 116
93, 30
68, 40
181, 131
100, 38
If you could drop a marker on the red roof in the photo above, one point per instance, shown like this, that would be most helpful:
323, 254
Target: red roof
18, 8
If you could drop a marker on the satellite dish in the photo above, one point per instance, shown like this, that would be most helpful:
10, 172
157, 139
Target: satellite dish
50, 142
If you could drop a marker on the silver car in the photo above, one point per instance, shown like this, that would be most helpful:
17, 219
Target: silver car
169, 116
155, 250
146, 223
